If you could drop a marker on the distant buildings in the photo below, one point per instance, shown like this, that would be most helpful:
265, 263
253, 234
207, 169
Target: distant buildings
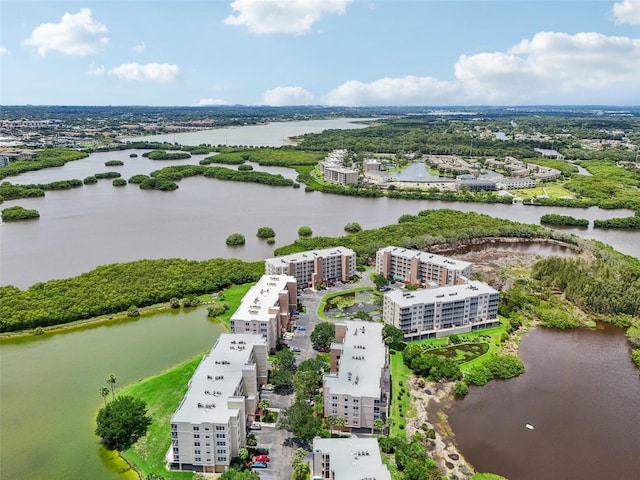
314, 267
443, 311
358, 385
347, 459
417, 267
209, 427
266, 308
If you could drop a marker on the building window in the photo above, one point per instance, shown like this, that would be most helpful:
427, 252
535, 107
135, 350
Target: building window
198, 459
221, 459
195, 429
220, 435
219, 427
221, 444
197, 452
196, 435
196, 444
221, 450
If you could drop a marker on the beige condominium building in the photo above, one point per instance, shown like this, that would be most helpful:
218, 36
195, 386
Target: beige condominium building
416, 267
438, 312
347, 459
315, 267
266, 308
209, 427
357, 387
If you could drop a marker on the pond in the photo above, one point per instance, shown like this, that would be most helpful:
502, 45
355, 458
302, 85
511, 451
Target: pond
348, 304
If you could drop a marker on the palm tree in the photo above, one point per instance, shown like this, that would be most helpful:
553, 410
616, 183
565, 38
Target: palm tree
340, 422
390, 423
104, 391
378, 424
331, 421
111, 380
263, 404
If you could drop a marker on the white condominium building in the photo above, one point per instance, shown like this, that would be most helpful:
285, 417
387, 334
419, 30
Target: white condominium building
417, 267
209, 427
347, 459
314, 267
333, 169
266, 308
438, 312
357, 387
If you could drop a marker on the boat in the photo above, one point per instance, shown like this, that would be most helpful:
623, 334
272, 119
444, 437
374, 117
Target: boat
529, 426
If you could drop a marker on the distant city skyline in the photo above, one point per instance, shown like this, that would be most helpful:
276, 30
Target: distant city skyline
320, 52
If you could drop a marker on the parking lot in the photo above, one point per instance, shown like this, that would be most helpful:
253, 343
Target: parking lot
280, 443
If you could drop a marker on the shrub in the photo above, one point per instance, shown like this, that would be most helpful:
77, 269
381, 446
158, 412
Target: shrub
505, 366
305, 231
90, 180
119, 182
215, 309
17, 213
461, 388
271, 240
235, 239
244, 167
635, 356
352, 227
113, 163
133, 311
478, 376
265, 232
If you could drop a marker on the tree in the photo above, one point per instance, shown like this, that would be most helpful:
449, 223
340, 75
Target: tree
174, 302
380, 281
461, 388
284, 358
232, 474
301, 468
121, 422
378, 424
111, 380
331, 422
305, 231
323, 335
263, 404
300, 420
393, 336
133, 311
340, 422
244, 455
281, 378
266, 232
104, 391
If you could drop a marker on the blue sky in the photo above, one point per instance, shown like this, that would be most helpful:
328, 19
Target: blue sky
320, 52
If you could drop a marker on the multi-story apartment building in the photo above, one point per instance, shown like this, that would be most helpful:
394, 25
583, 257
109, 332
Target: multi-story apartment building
424, 268
266, 308
209, 427
357, 387
314, 267
437, 312
333, 169
347, 459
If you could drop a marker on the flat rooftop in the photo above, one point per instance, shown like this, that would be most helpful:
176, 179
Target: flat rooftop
441, 294
434, 258
310, 255
261, 297
216, 379
353, 458
363, 357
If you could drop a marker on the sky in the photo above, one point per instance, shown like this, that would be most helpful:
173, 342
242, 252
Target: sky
320, 52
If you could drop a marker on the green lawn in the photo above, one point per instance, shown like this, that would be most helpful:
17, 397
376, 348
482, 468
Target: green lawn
232, 296
399, 374
554, 190
162, 393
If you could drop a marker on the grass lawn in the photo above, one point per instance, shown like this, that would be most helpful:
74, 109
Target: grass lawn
554, 190
399, 374
162, 393
232, 296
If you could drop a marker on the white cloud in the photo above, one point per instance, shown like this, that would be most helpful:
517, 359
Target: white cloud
627, 11
139, 48
550, 63
282, 96
3, 50
76, 34
151, 72
283, 16
96, 70
549, 68
409, 90
207, 102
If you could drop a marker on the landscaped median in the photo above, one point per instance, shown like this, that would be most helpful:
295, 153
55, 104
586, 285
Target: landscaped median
329, 296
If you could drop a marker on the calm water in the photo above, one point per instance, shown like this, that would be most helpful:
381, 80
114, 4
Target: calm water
580, 391
98, 224
50, 386
274, 134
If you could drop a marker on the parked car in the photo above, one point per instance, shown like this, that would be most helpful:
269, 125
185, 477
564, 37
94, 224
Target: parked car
261, 458
267, 387
261, 451
255, 426
259, 465
295, 349
301, 329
